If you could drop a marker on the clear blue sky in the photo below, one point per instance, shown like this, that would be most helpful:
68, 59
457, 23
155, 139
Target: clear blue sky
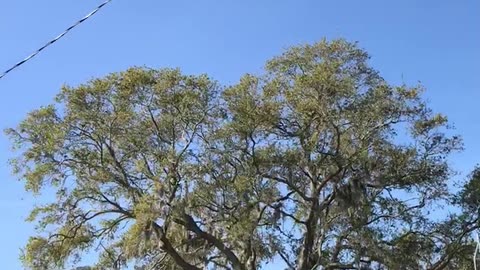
436, 42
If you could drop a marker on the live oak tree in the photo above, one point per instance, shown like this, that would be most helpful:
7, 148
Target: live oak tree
319, 163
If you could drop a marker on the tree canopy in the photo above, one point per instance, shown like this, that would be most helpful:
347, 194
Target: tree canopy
318, 163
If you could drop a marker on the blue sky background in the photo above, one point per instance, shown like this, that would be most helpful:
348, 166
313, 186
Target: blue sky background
436, 42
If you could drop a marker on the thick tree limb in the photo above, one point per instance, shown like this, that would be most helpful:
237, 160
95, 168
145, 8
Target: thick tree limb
168, 248
190, 225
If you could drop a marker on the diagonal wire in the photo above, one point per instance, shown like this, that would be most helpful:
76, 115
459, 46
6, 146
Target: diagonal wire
54, 40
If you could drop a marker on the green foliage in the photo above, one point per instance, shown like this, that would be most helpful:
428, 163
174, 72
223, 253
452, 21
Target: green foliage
172, 171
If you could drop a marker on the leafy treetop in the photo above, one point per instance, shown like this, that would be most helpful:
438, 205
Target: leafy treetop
319, 163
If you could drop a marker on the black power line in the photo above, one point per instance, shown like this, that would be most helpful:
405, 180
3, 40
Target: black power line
54, 40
